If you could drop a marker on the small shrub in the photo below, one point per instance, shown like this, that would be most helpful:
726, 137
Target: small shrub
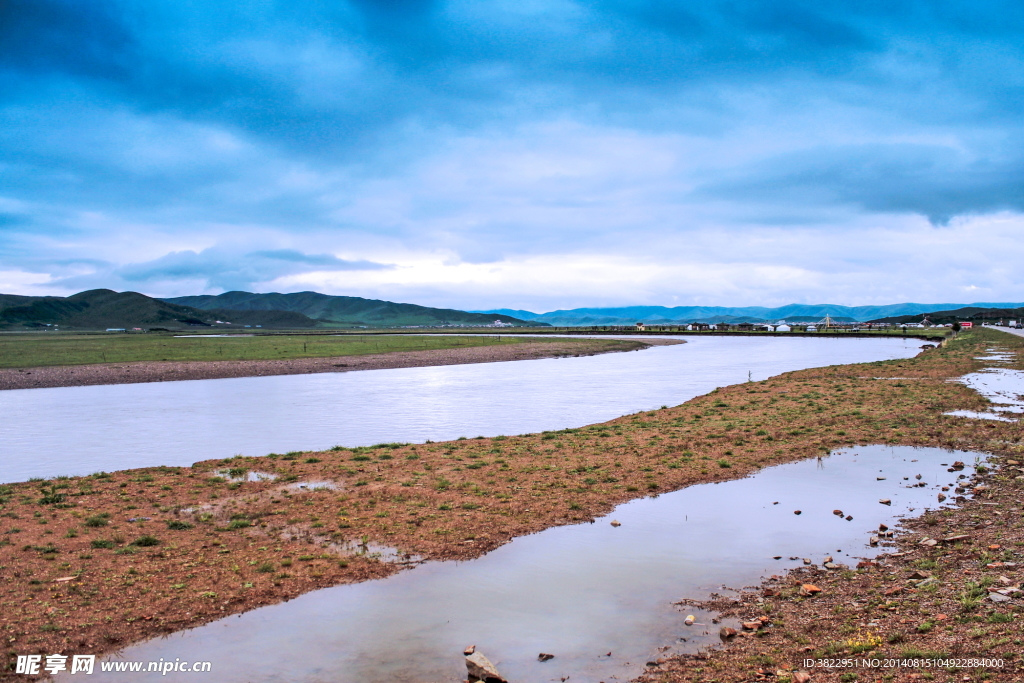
146, 541
239, 524
102, 543
178, 525
98, 520
265, 568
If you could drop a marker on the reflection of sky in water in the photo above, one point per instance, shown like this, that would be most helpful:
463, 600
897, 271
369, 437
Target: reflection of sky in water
575, 591
1002, 386
79, 430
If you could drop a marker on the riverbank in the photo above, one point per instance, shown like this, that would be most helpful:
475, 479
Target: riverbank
94, 563
170, 371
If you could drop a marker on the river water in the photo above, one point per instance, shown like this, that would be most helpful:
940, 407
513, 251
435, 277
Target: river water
600, 598
80, 430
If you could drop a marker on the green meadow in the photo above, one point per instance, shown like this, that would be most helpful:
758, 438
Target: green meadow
37, 350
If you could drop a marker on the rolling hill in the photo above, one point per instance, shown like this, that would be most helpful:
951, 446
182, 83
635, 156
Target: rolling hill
344, 310
973, 313
99, 309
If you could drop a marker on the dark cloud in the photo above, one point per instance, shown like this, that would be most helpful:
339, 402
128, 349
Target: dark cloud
935, 181
228, 270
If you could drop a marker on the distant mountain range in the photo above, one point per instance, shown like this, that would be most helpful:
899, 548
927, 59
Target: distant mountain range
104, 308
661, 315
344, 310
99, 309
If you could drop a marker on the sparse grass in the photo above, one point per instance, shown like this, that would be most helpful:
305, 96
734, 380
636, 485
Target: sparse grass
34, 350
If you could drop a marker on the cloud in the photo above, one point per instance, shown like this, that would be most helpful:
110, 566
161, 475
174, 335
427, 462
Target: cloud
221, 269
168, 146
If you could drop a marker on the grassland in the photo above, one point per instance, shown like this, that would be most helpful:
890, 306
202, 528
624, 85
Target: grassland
88, 564
46, 350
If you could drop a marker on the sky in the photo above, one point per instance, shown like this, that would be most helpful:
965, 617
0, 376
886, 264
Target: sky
535, 155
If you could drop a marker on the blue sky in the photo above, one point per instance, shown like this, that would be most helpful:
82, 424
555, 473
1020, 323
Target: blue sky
520, 154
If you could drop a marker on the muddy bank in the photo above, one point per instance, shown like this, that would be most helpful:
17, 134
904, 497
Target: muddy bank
167, 371
81, 575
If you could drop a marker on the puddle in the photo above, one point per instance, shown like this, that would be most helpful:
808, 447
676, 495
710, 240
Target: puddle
578, 592
250, 475
1002, 386
313, 485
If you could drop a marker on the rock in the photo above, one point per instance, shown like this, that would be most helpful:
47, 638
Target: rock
469, 650
751, 625
895, 590
955, 538
809, 589
796, 512
616, 522
942, 497
838, 513
806, 561
800, 677
996, 597
65, 579
929, 542
831, 565
882, 527
917, 476
828, 559
777, 557
879, 478
481, 669
885, 501
727, 632
919, 576
849, 518
958, 465
1006, 581
1012, 462
873, 540
544, 656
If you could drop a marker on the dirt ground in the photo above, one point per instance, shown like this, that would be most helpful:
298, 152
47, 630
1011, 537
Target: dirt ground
90, 564
169, 371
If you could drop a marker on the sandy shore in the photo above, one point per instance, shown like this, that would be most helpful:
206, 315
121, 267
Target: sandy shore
131, 373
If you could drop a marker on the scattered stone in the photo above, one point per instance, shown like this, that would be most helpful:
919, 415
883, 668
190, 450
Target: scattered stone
481, 669
929, 542
873, 540
838, 513
882, 527
807, 561
796, 512
996, 597
544, 656
751, 625
919, 575
955, 538
942, 497
879, 478
885, 501
469, 650
65, 579
800, 677
831, 565
727, 632
777, 557
809, 589
849, 518
616, 522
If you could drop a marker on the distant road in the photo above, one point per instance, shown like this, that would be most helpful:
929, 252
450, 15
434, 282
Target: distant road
1019, 333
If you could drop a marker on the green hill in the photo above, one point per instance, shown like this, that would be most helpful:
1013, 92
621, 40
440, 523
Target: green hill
971, 313
99, 309
345, 310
